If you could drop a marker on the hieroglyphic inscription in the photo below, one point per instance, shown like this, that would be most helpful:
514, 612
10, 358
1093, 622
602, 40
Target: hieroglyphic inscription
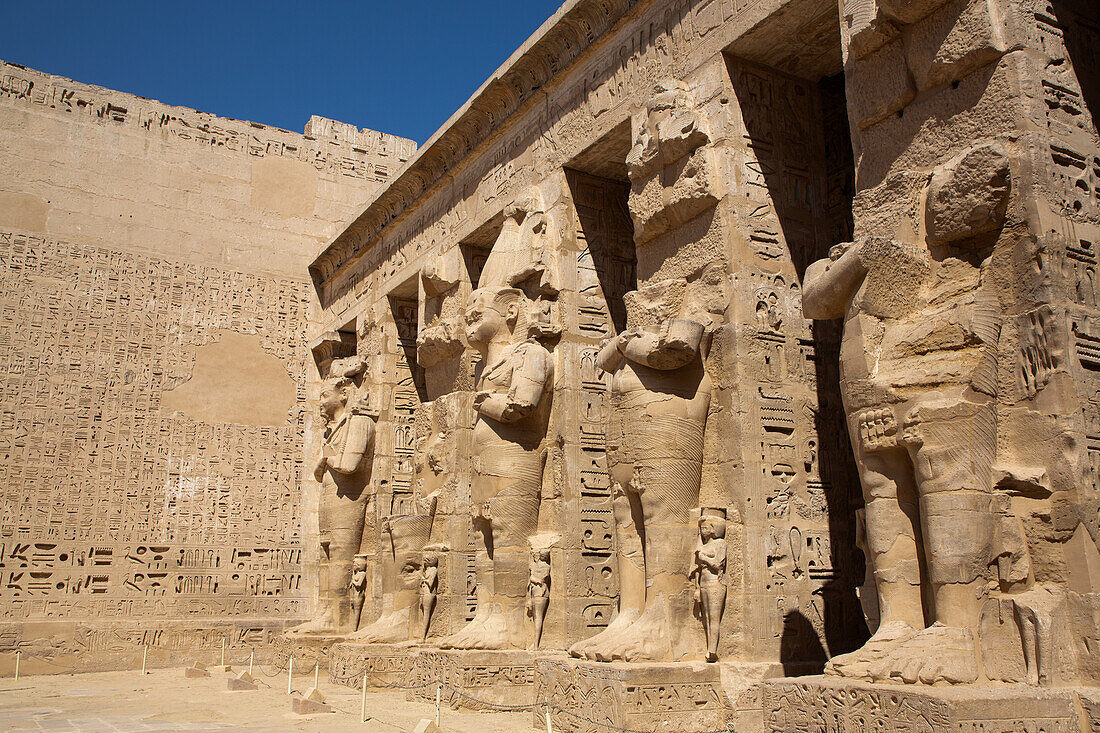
838, 708
109, 504
798, 187
606, 269
406, 398
371, 156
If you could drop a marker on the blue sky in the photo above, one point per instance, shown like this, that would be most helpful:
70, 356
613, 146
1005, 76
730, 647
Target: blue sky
400, 67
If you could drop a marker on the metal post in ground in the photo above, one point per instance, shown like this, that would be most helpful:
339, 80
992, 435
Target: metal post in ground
289, 675
437, 691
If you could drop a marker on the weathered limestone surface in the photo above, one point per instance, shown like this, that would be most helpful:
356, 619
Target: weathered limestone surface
474, 679
817, 705
758, 305
708, 339
156, 377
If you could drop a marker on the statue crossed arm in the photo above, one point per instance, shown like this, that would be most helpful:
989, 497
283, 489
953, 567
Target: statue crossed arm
529, 378
348, 459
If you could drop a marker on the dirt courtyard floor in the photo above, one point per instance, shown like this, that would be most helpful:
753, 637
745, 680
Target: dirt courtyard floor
164, 700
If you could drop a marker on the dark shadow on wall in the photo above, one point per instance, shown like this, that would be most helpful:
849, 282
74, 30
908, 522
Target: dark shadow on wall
805, 162
1080, 23
800, 651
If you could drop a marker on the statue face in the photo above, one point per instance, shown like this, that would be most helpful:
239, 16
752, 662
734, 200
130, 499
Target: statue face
332, 399
709, 528
483, 320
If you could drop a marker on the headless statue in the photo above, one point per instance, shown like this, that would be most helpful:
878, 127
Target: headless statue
919, 381
660, 395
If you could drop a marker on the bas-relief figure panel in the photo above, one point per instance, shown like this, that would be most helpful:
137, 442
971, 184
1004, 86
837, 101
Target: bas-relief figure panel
112, 506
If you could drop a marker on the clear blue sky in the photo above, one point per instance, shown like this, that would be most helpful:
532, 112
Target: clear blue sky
400, 67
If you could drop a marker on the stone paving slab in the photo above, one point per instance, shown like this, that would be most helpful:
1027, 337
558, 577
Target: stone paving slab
164, 700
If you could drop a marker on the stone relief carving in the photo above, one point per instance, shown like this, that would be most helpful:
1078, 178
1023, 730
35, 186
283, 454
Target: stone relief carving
429, 586
709, 574
538, 591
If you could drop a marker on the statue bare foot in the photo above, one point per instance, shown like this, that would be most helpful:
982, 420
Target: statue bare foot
936, 654
490, 633
461, 638
388, 629
649, 637
585, 649
322, 624
857, 663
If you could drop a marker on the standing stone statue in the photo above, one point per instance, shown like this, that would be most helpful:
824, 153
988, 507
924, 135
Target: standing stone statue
429, 586
512, 406
538, 591
408, 534
343, 470
710, 576
660, 395
919, 381
358, 586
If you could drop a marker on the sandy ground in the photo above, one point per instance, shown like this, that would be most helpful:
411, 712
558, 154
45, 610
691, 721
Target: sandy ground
164, 700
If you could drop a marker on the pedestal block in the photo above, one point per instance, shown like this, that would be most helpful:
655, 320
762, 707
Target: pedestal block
473, 677
305, 649
383, 665
690, 697
836, 705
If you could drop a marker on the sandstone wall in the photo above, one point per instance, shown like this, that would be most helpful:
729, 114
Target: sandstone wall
776, 459
155, 397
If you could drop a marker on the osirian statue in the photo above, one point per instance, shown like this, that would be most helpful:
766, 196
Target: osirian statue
922, 385
505, 324
343, 470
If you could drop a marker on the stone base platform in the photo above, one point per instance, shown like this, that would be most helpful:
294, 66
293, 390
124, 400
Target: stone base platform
689, 697
306, 649
835, 705
473, 677
383, 665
